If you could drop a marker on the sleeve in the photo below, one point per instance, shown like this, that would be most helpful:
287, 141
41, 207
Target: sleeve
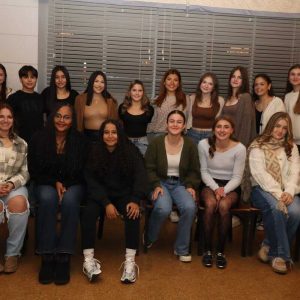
205, 175
189, 119
95, 190
193, 178
238, 170
260, 174
150, 112
151, 157
22, 175
294, 173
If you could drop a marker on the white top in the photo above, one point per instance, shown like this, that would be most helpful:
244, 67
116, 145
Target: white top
159, 120
273, 107
228, 165
290, 101
173, 163
290, 172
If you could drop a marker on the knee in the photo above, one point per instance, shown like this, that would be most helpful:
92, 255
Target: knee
210, 207
161, 211
189, 209
17, 205
223, 209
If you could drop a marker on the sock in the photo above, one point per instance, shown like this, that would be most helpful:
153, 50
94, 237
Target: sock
88, 254
130, 254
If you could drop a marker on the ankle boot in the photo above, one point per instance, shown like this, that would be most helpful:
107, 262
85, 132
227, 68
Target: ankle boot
46, 274
62, 268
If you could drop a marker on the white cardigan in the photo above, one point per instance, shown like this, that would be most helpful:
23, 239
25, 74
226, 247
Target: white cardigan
273, 107
290, 172
290, 101
189, 121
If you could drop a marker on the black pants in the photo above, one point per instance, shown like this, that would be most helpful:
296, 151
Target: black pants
89, 218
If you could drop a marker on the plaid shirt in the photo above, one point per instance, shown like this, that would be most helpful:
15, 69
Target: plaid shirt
15, 169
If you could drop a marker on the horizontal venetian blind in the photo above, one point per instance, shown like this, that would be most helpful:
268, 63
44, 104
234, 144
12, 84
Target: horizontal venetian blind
142, 42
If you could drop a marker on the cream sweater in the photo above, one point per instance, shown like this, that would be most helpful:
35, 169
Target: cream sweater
290, 101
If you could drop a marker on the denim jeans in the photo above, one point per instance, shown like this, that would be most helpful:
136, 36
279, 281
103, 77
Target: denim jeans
197, 136
16, 222
173, 191
279, 228
141, 143
48, 241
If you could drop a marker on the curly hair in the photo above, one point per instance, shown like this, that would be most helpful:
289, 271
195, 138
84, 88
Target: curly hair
128, 101
266, 136
244, 88
180, 95
3, 86
125, 153
212, 139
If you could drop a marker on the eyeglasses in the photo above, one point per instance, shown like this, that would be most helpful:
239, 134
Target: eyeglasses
58, 116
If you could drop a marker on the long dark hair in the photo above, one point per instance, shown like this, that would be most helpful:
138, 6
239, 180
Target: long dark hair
90, 91
128, 101
3, 86
125, 153
11, 133
289, 88
212, 139
244, 88
74, 147
214, 98
53, 88
179, 94
268, 80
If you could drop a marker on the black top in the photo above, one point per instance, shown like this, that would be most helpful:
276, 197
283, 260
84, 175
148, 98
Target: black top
136, 125
258, 120
28, 109
114, 185
46, 167
50, 105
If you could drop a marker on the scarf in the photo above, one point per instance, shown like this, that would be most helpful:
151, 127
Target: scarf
272, 167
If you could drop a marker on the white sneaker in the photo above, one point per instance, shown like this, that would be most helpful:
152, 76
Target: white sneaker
129, 271
184, 258
91, 268
174, 217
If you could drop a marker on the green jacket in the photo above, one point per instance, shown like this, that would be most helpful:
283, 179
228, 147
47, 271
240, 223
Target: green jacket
157, 164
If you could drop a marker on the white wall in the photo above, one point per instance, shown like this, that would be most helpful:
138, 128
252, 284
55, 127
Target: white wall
18, 36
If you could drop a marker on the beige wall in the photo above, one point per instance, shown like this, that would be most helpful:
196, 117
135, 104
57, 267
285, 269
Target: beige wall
18, 36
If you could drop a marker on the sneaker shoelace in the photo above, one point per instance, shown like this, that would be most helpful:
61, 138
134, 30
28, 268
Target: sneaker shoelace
92, 265
129, 266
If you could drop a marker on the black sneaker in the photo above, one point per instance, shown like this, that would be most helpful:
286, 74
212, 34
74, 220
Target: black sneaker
207, 259
221, 261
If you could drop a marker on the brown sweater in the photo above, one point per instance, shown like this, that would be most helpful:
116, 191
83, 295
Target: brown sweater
80, 103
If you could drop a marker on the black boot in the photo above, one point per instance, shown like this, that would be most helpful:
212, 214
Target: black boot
46, 274
62, 268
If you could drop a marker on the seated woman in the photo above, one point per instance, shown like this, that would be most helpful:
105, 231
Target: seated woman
222, 161
116, 182
13, 193
274, 169
173, 171
56, 159
136, 112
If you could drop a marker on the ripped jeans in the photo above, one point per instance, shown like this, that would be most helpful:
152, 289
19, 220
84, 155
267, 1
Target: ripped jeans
17, 222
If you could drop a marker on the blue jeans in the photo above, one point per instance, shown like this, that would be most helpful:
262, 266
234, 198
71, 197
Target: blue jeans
279, 228
48, 241
16, 222
173, 191
197, 136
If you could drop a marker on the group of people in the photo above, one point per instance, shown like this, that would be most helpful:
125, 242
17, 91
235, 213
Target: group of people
179, 150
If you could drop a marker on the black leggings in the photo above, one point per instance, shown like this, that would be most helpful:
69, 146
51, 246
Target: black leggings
89, 218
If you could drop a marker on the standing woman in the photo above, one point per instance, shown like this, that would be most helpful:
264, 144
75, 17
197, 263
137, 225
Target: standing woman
239, 106
222, 160
4, 90
59, 91
170, 97
292, 100
56, 158
95, 106
204, 107
13, 193
136, 112
274, 170
266, 104
174, 175
116, 182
